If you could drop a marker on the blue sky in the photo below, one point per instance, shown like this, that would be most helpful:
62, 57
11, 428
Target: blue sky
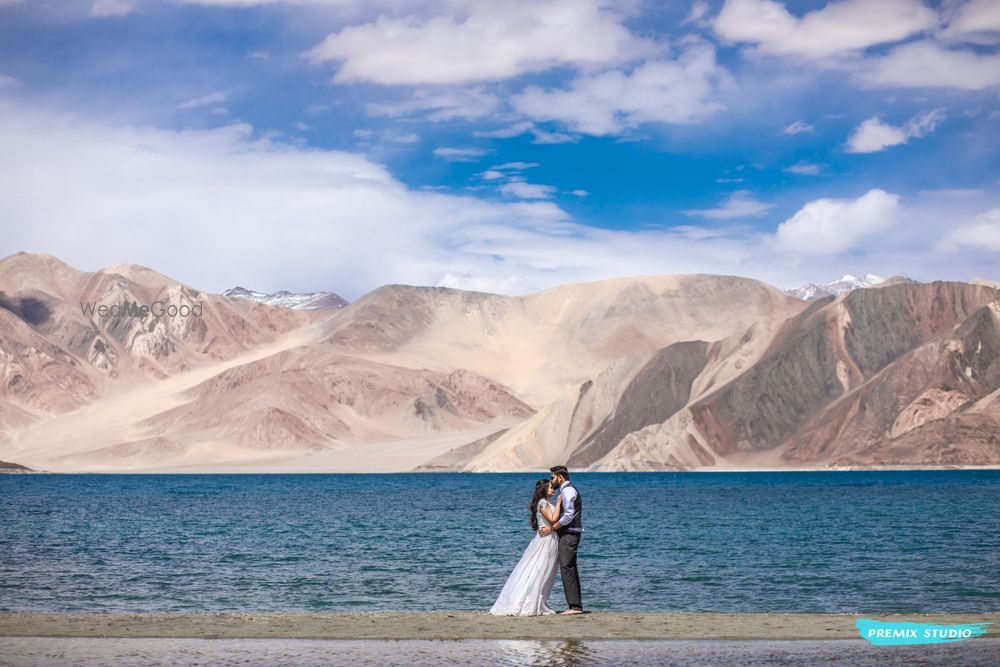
509, 147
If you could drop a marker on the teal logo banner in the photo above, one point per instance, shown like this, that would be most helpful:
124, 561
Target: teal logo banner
885, 633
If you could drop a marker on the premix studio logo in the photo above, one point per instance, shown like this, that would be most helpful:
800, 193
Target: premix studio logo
885, 633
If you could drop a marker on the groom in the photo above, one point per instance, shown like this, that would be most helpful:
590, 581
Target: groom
568, 527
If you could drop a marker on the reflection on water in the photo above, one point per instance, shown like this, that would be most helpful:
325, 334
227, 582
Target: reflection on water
75, 652
559, 653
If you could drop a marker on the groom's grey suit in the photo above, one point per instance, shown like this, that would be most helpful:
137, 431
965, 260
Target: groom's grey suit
569, 531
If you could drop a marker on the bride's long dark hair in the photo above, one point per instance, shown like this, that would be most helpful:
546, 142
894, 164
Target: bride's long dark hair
541, 490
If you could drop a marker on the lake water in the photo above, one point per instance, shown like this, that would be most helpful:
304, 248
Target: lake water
858, 541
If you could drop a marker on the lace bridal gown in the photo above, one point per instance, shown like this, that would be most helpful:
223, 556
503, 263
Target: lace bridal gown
528, 586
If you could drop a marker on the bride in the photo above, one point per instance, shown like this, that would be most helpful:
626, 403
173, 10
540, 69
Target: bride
528, 586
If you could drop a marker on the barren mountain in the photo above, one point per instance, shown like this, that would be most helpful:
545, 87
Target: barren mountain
875, 377
544, 344
63, 342
642, 373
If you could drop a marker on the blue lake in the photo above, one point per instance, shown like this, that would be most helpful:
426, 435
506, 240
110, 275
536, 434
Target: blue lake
838, 541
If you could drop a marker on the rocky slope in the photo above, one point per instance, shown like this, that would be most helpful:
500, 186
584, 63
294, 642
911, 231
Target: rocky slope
641, 373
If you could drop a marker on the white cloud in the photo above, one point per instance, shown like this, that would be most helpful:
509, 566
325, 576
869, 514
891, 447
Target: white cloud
798, 127
505, 170
579, 193
873, 135
740, 204
977, 21
657, 91
6, 80
230, 205
804, 169
540, 135
697, 14
927, 64
459, 154
837, 28
366, 137
233, 204
524, 190
981, 233
203, 101
516, 166
441, 105
111, 8
482, 41
832, 226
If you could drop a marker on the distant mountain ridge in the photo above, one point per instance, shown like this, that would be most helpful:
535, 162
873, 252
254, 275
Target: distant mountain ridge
843, 285
294, 300
625, 374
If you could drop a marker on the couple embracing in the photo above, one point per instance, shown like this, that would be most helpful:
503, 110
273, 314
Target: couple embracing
558, 525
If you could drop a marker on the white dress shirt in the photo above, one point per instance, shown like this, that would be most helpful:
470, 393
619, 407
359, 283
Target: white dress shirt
568, 506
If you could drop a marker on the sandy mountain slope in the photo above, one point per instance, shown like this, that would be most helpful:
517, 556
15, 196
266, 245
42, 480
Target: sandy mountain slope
546, 344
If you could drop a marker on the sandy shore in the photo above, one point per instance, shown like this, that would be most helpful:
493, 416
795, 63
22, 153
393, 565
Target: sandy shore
461, 625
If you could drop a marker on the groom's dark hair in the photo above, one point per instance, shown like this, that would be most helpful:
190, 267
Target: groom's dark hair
560, 470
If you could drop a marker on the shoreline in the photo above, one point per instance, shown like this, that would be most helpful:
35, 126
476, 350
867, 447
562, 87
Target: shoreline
174, 471
458, 625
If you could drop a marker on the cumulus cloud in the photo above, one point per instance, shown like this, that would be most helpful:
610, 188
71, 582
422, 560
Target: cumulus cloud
482, 41
873, 135
981, 233
837, 28
740, 204
664, 91
928, 64
831, 226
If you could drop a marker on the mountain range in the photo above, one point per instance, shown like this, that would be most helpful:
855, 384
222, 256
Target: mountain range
689, 372
295, 300
843, 285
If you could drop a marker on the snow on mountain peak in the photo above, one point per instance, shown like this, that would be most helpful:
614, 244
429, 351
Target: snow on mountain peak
286, 299
846, 283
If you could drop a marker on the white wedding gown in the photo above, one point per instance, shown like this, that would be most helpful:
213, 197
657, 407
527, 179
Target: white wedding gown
528, 586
